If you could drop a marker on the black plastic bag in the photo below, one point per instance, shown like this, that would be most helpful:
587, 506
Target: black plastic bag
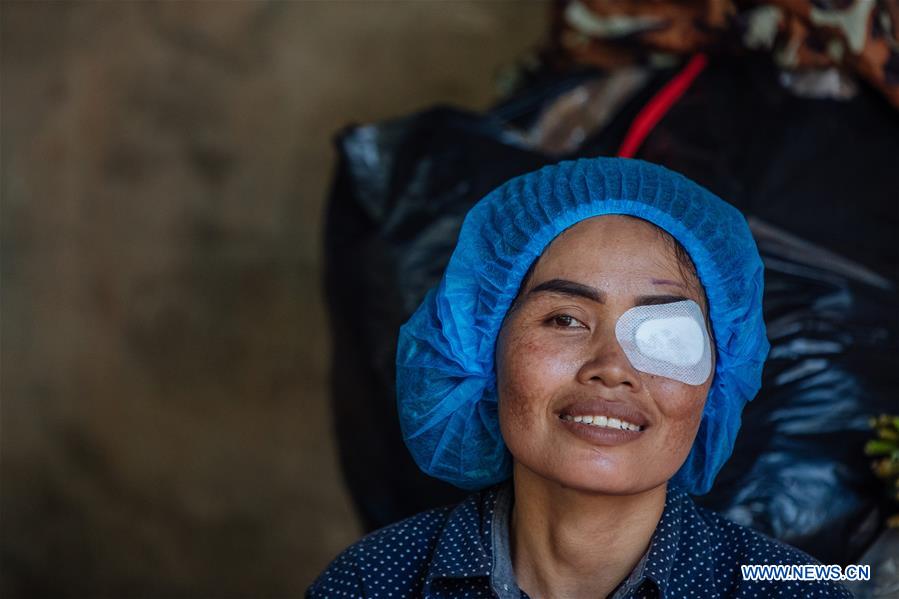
798, 471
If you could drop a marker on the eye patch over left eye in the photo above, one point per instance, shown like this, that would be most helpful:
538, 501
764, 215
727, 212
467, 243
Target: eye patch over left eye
668, 340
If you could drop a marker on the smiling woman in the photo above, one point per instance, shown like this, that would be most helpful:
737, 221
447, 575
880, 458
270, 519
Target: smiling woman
593, 440
582, 364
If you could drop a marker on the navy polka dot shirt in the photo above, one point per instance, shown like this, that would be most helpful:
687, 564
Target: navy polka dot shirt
463, 551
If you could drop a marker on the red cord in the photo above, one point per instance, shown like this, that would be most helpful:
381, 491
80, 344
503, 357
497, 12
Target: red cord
659, 105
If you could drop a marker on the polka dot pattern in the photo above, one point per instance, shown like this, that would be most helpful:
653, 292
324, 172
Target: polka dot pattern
460, 552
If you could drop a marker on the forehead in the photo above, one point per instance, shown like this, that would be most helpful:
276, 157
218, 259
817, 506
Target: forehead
611, 245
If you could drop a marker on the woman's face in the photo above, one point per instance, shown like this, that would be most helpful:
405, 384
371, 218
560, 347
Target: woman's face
557, 356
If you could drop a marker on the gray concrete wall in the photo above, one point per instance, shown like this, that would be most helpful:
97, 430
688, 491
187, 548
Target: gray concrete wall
165, 429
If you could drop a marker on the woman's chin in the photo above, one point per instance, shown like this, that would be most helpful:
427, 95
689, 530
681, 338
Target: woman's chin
602, 480
604, 485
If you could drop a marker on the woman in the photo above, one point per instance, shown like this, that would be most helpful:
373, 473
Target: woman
594, 338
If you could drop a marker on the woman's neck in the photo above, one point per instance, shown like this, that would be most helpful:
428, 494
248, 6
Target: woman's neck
570, 543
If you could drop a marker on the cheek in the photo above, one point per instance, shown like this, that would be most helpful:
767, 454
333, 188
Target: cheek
531, 371
681, 406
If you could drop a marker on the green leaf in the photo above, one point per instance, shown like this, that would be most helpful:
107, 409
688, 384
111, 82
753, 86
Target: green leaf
879, 447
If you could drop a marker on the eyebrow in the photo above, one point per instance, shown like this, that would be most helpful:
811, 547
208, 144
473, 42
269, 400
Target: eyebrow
667, 282
573, 289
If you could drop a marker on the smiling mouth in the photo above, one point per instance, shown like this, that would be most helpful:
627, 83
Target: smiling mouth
601, 421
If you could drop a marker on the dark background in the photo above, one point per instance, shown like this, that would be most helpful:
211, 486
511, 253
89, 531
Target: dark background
164, 428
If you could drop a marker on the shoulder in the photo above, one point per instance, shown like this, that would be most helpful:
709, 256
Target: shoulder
737, 541
395, 560
732, 546
398, 553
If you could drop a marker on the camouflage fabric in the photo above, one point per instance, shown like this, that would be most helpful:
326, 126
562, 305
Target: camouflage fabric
857, 36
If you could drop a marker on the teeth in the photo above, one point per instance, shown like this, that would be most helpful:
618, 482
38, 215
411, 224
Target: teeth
604, 422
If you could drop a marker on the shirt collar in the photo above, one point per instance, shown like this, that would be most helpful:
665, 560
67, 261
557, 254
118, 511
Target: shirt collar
661, 556
502, 576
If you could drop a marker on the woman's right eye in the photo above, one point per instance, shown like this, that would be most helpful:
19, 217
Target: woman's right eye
564, 321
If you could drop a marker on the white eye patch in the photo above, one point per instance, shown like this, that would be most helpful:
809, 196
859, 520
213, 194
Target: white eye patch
668, 340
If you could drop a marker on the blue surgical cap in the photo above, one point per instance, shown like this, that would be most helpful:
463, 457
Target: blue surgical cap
446, 380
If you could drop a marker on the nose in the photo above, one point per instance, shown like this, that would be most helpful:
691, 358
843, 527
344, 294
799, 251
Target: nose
606, 363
